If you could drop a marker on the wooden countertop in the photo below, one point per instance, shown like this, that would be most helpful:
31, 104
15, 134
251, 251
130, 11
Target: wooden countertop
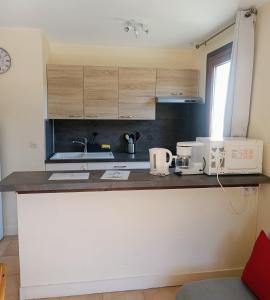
37, 182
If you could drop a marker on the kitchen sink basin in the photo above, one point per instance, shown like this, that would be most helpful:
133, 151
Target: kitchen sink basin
82, 155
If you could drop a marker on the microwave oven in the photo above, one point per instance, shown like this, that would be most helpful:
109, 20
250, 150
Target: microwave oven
231, 156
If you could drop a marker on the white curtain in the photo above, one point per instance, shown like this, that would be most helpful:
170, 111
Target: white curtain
240, 83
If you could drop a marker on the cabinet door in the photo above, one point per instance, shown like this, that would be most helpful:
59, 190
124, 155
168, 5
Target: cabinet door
65, 91
137, 108
119, 165
177, 82
137, 93
66, 167
101, 92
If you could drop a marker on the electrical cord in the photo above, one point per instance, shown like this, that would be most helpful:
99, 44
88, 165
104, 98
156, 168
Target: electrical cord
219, 164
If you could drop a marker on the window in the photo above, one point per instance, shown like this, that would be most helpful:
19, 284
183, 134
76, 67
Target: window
218, 71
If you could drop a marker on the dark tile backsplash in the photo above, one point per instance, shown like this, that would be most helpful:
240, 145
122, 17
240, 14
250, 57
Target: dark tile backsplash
173, 123
49, 132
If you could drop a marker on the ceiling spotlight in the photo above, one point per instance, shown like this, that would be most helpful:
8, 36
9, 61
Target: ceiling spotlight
136, 27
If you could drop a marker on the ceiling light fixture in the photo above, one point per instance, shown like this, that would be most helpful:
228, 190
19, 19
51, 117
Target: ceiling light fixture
136, 27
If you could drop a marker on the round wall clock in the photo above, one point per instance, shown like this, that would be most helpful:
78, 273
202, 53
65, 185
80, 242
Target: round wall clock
5, 61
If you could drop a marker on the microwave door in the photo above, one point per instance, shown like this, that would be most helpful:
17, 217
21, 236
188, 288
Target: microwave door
241, 157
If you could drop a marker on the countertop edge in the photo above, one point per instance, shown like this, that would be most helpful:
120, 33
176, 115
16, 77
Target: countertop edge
134, 189
37, 182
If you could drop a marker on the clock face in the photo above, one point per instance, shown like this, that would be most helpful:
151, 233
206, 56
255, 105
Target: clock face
5, 61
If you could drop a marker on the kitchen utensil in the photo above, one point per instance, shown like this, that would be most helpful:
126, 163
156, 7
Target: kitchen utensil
137, 135
126, 135
94, 135
158, 161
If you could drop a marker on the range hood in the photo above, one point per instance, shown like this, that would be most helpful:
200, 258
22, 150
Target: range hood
179, 99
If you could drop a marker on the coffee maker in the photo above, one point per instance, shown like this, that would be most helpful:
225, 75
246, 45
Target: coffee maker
188, 159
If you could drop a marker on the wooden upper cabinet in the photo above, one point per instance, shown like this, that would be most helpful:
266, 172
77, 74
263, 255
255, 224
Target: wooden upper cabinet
113, 93
65, 91
100, 92
137, 93
177, 82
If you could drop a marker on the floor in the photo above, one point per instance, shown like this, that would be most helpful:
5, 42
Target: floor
9, 254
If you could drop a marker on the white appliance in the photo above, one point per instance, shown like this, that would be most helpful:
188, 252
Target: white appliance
159, 164
188, 159
232, 156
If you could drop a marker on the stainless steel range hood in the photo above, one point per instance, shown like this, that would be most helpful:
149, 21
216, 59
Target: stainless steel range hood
179, 99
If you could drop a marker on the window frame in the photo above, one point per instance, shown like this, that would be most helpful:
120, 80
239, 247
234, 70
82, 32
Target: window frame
214, 58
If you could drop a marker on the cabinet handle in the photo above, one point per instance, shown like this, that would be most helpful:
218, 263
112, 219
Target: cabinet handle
119, 167
74, 116
92, 116
177, 94
127, 117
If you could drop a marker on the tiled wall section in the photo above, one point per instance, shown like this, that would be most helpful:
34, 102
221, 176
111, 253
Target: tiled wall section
174, 122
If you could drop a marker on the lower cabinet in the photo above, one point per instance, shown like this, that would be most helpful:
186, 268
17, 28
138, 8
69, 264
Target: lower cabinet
119, 165
67, 167
98, 166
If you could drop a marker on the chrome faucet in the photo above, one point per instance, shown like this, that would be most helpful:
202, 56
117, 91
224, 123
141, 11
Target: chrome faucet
84, 143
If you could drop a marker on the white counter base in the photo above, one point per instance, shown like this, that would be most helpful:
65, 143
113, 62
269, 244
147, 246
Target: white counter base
89, 242
120, 284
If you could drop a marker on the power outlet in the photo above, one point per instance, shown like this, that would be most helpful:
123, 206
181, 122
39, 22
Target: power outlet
248, 191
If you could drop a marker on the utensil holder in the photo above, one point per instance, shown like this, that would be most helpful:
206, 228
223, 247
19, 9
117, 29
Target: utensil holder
131, 148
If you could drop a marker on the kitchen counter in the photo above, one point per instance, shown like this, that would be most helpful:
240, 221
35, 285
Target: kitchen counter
145, 232
118, 157
37, 182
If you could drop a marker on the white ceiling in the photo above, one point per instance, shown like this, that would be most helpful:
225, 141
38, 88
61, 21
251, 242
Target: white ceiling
172, 23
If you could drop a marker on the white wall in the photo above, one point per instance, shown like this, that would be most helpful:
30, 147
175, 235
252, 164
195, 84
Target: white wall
22, 107
260, 120
120, 240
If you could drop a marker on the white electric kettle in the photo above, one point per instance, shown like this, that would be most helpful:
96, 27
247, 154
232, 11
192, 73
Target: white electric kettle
158, 161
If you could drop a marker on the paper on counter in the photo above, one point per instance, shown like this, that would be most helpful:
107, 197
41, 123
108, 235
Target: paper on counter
115, 175
69, 176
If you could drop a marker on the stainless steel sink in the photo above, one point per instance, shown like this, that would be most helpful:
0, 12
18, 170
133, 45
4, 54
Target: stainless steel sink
82, 155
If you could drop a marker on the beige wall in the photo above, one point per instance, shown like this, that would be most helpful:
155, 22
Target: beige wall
122, 56
260, 120
22, 110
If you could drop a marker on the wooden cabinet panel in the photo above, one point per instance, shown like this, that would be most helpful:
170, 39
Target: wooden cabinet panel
138, 82
137, 108
100, 92
65, 91
100, 83
137, 93
101, 109
112, 92
177, 82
